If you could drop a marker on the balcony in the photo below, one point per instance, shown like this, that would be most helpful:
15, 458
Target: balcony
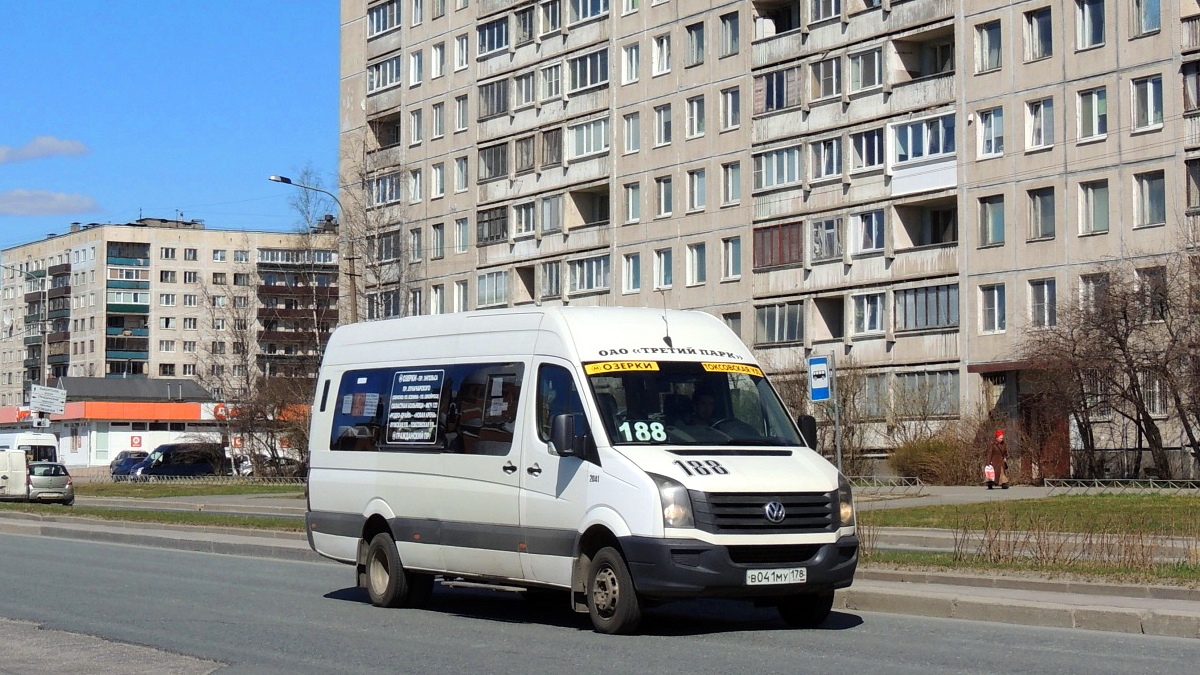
127, 332
58, 270
33, 296
123, 308
1190, 34
128, 262
32, 363
286, 336
128, 285
1191, 132
297, 291
268, 313
33, 340
922, 93
59, 313
58, 292
58, 359
127, 355
925, 262
60, 336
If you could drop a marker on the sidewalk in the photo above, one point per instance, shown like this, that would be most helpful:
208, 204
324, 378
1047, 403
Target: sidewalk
1151, 610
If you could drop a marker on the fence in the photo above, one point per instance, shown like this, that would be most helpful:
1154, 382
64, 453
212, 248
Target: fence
1060, 486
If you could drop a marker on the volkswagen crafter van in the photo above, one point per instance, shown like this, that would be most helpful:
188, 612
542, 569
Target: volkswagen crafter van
625, 457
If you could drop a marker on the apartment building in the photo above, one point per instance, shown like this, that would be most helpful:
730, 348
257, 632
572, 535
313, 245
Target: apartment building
163, 298
908, 185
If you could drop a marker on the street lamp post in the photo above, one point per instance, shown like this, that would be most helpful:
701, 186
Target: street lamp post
353, 274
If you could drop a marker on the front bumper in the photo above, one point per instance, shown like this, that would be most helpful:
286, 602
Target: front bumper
687, 568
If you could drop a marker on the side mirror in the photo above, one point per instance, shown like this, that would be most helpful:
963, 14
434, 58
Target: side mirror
569, 435
808, 430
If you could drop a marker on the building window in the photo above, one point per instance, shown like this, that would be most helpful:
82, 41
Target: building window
1191, 86
991, 132
589, 274
190, 254
866, 71
167, 276
631, 59
662, 124
1090, 23
418, 12
991, 315
219, 278
777, 167
1147, 102
493, 36
868, 313
868, 148
551, 15
166, 253
926, 308
552, 147
462, 235
462, 52
493, 162
439, 242
730, 34
1041, 213
460, 174
1093, 113
523, 18
826, 78
991, 220
825, 9
697, 264
778, 245
551, 82
826, 239
551, 279
491, 225
633, 202
1042, 303
695, 45
731, 183
924, 139
523, 218
191, 277
868, 232
662, 268
1151, 199
414, 186
415, 240
437, 60
1147, 16
987, 42
661, 53
697, 194
526, 158
633, 273
695, 116
416, 132
384, 75
461, 114
827, 158
492, 289
383, 18
461, 302
1039, 34
493, 99
664, 197
1093, 207
731, 108
589, 138
437, 299
780, 323
630, 6
582, 10
1040, 122
932, 393
165, 299
1192, 169
731, 258
589, 70
632, 126
552, 213
416, 67
438, 176
1152, 291
219, 255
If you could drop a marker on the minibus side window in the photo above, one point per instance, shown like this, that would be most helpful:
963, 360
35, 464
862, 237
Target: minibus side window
556, 395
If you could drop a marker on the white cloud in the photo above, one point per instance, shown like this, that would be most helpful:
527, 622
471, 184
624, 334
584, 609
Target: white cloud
44, 203
40, 147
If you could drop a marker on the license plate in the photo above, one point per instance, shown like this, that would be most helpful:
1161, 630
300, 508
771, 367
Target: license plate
787, 575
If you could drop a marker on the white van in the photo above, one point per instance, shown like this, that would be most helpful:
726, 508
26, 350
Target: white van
14, 475
39, 446
629, 456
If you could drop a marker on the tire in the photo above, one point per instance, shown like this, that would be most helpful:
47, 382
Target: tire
806, 611
68, 502
388, 584
612, 601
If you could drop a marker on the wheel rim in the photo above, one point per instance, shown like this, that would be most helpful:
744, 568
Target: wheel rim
377, 573
606, 592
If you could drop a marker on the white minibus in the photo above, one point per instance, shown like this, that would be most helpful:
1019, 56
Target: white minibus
620, 457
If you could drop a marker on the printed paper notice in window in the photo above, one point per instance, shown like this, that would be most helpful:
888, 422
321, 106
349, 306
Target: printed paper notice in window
413, 409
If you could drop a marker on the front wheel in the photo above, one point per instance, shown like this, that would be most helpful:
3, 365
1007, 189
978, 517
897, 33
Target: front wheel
806, 611
387, 582
611, 598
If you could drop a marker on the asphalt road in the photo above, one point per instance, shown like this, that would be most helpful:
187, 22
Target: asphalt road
200, 611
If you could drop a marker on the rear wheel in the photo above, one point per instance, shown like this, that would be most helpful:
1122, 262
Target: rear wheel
806, 611
612, 601
387, 582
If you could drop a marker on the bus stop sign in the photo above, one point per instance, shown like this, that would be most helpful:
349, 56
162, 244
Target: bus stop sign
818, 378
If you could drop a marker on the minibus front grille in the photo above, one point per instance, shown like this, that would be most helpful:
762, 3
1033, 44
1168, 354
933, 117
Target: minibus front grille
746, 513
772, 555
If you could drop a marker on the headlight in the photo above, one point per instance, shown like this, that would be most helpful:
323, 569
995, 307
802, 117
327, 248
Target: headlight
137, 471
845, 503
676, 504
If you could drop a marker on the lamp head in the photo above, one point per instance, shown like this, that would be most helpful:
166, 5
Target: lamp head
281, 179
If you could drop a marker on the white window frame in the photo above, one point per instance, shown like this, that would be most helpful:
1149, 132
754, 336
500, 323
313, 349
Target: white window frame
826, 158
1039, 120
695, 44
697, 190
991, 132
992, 219
663, 269
1042, 211
663, 196
776, 168
992, 310
1147, 106
633, 201
936, 136
868, 313
866, 70
868, 149
632, 273
1039, 34
1043, 301
662, 125
1150, 190
731, 258
631, 59
661, 54
1089, 20
697, 264
1095, 215
695, 116
869, 233
731, 183
731, 108
632, 132
989, 45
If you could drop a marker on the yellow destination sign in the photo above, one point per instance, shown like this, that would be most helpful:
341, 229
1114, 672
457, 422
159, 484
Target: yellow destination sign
618, 366
732, 368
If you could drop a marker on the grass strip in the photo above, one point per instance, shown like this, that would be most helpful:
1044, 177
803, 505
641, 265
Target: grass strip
168, 489
201, 518
1176, 575
1159, 514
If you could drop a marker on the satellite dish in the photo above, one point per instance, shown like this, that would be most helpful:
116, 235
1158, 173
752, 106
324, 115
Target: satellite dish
7, 321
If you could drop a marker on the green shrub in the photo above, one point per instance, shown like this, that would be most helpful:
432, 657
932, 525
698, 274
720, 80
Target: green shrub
936, 460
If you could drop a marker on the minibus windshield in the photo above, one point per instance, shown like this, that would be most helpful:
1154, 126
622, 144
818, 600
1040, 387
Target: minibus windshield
689, 403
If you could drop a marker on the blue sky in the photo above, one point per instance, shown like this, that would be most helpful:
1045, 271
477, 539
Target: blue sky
111, 110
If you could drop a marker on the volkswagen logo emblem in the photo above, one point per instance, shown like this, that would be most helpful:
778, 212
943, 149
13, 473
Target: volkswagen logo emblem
775, 512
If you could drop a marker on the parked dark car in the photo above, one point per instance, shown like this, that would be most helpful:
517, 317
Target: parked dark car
182, 459
50, 482
124, 461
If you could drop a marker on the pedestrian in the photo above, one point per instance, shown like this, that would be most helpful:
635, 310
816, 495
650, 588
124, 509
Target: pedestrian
997, 460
